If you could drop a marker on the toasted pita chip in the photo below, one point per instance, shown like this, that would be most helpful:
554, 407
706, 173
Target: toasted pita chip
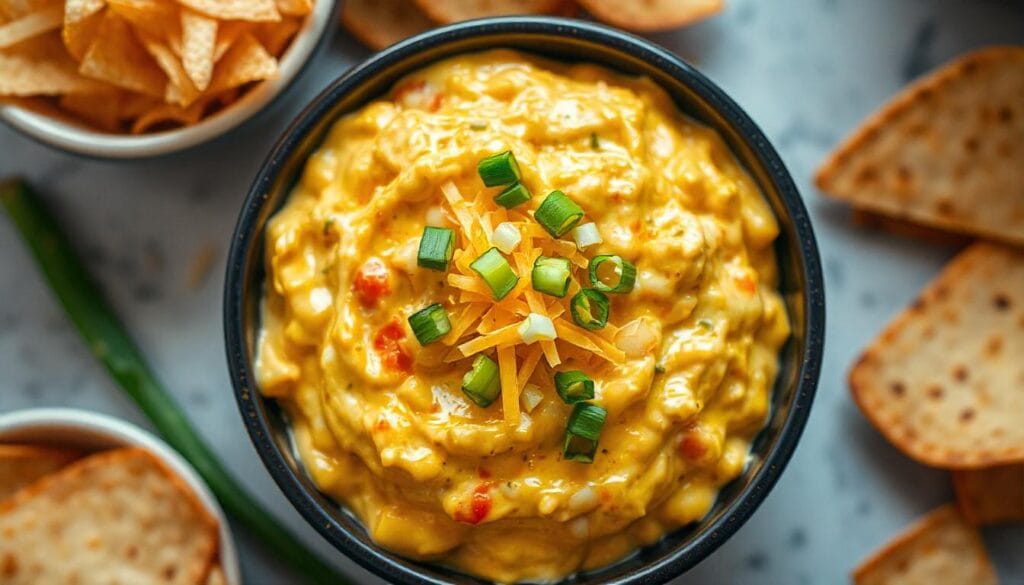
31, 25
251, 10
380, 23
216, 577
198, 40
115, 517
448, 11
947, 152
244, 62
992, 495
20, 465
943, 382
900, 227
117, 57
41, 66
652, 15
82, 20
939, 549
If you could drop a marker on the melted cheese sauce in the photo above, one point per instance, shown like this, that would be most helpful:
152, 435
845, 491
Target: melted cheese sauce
431, 474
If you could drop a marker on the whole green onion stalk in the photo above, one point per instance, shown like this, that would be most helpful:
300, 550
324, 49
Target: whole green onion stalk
110, 344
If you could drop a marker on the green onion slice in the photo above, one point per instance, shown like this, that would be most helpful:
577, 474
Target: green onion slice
430, 324
558, 214
496, 272
481, 383
436, 248
551, 275
612, 274
499, 170
574, 386
513, 195
583, 431
589, 309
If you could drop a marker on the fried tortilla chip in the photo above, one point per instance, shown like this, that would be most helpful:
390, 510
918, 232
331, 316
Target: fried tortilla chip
117, 57
448, 11
166, 116
101, 110
947, 152
943, 381
82, 19
31, 25
245, 61
180, 89
939, 549
198, 40
41, 66
251, 10
277, 36
156, 18
115, 517
20, 465
380, 23
652, 15
991, 495
295, 7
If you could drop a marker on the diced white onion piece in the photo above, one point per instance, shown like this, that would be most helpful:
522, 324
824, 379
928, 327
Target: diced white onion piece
537, 327
506, 237
584, 500
639, 337
436, 217
320, 299
531, 397
586, 235
405, 256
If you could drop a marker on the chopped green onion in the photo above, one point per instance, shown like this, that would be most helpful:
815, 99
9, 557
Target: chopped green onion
558, 214
430, 324
589, 309
551, 275
499, 170
574, 386
595, 143
496, 272
659, 369
436, 248
612, 274
482, 383
586, 235
478, 126
506, 237
582, 432
705, 324
513, 195
537, 327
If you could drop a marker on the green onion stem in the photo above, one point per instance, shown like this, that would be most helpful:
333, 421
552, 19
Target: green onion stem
558, 214
110, 344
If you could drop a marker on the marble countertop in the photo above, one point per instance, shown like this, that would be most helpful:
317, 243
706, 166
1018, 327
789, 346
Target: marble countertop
806, 70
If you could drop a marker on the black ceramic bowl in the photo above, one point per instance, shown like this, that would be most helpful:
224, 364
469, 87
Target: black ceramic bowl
565, 40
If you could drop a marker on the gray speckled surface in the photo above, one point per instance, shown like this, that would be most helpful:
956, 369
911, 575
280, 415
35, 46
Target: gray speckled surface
806, 70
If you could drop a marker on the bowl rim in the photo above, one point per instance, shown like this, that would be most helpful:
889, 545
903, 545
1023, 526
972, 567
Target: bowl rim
76, 139
120, 432
807, 368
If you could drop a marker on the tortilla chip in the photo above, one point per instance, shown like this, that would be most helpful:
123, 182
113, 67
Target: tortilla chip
652, 15
276, 36
167, 116
154, 17
295, 7
380, 23
117, 57
448, 11
41, 66
227, 34
15, 9
115, 517
180, 90
991, 495
21, 465
939, 549
82, 20
250, 10
943, 382
198, 40
947, 152
244, 62
31, 25
100, 109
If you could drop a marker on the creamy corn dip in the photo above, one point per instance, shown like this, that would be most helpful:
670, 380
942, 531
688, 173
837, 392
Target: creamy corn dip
683, 369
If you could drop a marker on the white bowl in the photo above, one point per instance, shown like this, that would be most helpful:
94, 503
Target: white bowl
88, 431
82, 140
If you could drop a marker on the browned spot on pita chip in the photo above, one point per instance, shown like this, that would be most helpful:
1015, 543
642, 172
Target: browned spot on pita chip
20, 465
380, 23
991, 495
652, 15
